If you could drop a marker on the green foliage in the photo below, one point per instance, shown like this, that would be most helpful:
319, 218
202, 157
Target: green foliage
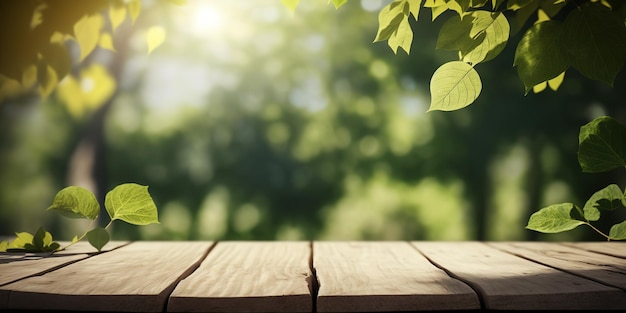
34, 36
76, 202
601, 149
131, 203
588, 36
453, 86
128, 202
601, 145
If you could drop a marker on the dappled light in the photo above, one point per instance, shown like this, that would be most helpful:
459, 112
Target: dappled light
252, 122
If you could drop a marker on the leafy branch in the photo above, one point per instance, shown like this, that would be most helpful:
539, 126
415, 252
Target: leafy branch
129, 202
601, 148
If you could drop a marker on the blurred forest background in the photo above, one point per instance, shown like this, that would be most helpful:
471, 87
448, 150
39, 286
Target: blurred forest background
252, 122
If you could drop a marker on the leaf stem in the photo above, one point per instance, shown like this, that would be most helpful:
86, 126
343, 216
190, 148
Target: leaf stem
79, 238
599, 232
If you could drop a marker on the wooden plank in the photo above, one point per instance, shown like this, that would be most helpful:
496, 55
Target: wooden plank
15, 266
614, 248
249, 277
136, 278
509, 282
384, 276
599, 267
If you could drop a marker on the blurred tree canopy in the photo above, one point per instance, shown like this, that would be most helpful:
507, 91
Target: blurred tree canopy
249, 121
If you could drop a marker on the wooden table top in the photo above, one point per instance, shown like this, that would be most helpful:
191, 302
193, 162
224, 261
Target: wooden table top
319, 276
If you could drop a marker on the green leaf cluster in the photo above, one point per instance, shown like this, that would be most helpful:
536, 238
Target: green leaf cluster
41, 241
586, 35
602, 147
128, 202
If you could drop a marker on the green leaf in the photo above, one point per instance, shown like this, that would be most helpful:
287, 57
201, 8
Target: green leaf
414, 7
131, 203
155, 36
76, 202
608, 198
554, 219
87, 33
4, 245
402, 37
455, 35
338, 3
539, 55
98, 237
618, 231
515, 5
495, 28
602, 145
290, 4
389, 19
595, 39
453, 86
38, 242
21, 240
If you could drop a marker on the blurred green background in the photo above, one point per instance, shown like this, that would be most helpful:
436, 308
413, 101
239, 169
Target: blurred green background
254, 123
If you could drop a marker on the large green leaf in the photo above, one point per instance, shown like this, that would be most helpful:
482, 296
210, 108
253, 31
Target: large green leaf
455, 35
602, 145
539, 55
554, 219
595, 39
76, 202
131, 203
608, 198
453, 86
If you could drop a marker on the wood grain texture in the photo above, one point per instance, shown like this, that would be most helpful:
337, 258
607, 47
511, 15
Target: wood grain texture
16, 265
248, 277
614, 248
384, 276
602, 268
136, 278
506, 281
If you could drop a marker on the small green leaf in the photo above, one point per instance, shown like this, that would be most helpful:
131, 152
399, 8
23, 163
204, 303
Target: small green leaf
38, 242
21, 240
602, 145
98, 237
515, 5
539, 54
52, 247
4, 245
290, 4
608, 198
131, 203
618, 231
453, 86
338, 3
76, 202
389, 19
554, 219
402, 37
